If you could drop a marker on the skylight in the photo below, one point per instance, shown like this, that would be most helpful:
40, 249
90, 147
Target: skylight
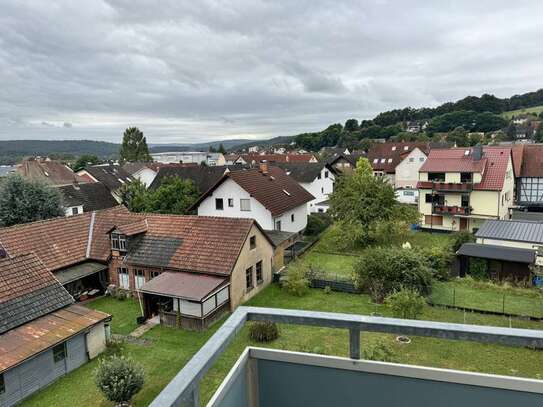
390, 160
393, 148
406, 148
375, 160
466, 152
286, 192
383, 160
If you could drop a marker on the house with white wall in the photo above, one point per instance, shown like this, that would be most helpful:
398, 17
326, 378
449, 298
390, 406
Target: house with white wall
317, 178
188, 157
266, 194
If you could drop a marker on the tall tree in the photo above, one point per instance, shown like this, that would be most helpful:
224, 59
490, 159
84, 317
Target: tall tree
221, 149
351, 125
23, 201
134, 147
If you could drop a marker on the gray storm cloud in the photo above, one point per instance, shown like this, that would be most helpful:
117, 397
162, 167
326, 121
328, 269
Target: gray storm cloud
186, 71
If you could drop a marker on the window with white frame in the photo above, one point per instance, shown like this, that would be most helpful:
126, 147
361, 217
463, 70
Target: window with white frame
123, 278
230, 202
411, 159
245, 204
118, 242
139, 278
375, 160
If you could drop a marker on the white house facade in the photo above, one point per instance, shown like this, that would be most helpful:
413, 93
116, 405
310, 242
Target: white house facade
407, 171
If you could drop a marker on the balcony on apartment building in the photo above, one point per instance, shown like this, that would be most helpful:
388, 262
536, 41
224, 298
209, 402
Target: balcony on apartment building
437, 183
271, 377
451, 210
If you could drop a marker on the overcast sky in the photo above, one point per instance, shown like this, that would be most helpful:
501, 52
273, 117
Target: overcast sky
199, 70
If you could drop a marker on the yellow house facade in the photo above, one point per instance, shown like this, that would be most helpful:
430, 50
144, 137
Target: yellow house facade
461, 188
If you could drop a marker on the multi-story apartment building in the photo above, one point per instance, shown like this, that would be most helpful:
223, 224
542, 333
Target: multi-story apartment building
460, 188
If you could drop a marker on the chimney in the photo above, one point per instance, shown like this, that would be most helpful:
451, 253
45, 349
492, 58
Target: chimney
264, 167
477, 152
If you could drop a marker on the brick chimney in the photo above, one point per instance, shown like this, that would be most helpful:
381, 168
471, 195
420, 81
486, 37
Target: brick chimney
264, 167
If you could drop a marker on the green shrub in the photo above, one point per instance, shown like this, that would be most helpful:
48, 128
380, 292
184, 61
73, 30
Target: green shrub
328, 290
114, 347
264, 331
439, 261
119, 379
381, 271
478, 268
380, 352
296, 282
459, 238
405, 303
317, 223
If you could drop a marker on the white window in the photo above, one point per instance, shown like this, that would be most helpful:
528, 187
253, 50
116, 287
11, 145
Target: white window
421, 159
383, 160
123, 278
375, 160
75, 210
230, 202
139, 278
411, 159
245, 204
389, 160
406, 148
393, 148
118, 242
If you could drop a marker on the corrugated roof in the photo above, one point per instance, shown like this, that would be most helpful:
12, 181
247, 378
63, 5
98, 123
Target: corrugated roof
188, 286
514, 230
27, 291
487, 251
45, 332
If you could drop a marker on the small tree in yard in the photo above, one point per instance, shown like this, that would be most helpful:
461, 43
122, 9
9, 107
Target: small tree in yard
119, 379
23, 201
381, 271
296, 282
405, 303
366, 208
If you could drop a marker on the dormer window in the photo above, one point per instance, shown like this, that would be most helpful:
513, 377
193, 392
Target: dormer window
118, 242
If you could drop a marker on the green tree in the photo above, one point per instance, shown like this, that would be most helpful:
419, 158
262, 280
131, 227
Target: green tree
221, 149
135, 196
351, 125
175, 196
365, 205
459, 137
23, 201
538, 137
134, 146
84, 160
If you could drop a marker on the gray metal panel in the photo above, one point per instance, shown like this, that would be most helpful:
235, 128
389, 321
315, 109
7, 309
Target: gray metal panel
488, 251
77, 352
515, 230
293, 385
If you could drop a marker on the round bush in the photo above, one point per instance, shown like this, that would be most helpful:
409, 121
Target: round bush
119, 379
381, 271
263, 331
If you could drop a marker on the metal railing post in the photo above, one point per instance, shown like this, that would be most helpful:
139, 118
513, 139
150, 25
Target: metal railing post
354, 343
195, 396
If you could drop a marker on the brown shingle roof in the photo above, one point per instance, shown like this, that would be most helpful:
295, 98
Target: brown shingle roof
45, 332
62, 242
50, 172
192, 243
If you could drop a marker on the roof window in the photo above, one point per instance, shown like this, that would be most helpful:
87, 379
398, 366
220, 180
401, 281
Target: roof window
466, 152
393, 148
406, 148
286, 192
375, 160
383, 160
390, 160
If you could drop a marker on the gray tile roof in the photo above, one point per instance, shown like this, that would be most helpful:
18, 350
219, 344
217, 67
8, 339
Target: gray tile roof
152, 251
515, 230
92, 196
303, 172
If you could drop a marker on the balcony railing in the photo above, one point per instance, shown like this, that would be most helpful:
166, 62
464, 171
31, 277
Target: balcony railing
451, 210
446, 186
184, 387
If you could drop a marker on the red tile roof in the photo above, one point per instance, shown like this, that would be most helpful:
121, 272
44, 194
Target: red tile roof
45, 332
190, 286
493, 164
528, 160
392, 154
275, 190
278, 158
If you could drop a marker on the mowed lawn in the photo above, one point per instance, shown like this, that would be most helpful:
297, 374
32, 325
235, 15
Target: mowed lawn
534, 110
487, 297
124, 312
167, 349
335, 266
